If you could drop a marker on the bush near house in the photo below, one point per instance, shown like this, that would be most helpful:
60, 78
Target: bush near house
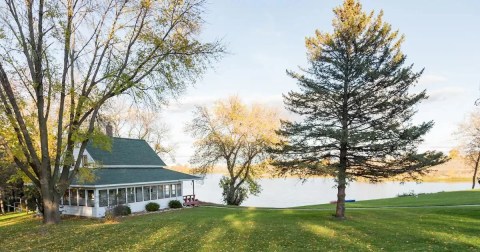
121, 210
175, 204
152, 207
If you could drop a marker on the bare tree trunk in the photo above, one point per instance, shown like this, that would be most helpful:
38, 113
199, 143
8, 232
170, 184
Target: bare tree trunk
1, 201
51, 213
475, 171
231, 194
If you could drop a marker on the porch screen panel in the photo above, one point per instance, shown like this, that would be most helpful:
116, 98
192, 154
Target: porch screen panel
138, 194
81, 197
112, 197
90, 198
103, 198
122, 196
66, 197
166, 191
130, 195
179, 189
153, 192
146, 193
174, 190
160, 192
73, 197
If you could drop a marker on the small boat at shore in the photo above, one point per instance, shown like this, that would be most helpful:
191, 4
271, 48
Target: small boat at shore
335, 202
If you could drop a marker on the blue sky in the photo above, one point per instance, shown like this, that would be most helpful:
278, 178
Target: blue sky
264, 38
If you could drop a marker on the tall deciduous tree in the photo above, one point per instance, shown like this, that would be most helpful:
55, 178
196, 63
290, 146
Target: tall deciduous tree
60, 61
356, 106
469, 134
238, 136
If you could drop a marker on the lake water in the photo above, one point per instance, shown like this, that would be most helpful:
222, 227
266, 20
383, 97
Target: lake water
290, 192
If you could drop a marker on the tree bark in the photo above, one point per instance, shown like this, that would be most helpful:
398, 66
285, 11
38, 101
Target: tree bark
51, 213
231, 194
341, 185
1, 201
475, 171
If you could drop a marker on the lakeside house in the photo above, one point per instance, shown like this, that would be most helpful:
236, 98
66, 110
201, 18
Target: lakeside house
131, 173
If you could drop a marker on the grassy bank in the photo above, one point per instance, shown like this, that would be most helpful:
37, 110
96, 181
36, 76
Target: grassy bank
471, 197
242, 229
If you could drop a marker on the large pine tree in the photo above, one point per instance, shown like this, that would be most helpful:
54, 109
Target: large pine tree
356, 106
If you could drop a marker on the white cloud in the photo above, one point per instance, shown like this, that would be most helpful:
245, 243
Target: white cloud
445, 93
188, 103
428, 79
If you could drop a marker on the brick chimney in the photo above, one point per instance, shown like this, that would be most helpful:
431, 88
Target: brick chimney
109, 130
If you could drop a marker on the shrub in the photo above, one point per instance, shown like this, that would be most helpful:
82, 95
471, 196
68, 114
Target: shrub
152, 207
109, 217
121, 210
175, 204
407, 194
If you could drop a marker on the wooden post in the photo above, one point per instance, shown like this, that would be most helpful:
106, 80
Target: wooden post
193, 183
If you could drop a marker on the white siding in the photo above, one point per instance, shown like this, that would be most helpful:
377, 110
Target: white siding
99, 212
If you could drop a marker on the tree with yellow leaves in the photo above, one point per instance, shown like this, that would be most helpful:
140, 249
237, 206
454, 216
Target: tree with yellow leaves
469, 135
238, 136
69, 58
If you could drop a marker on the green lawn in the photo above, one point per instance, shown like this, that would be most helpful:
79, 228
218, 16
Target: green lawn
471, 197
243, 229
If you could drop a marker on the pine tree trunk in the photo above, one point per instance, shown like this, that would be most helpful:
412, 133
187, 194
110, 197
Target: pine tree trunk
51, 213
340, 210
342, 183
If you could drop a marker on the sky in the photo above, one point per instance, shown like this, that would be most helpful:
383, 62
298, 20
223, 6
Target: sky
265, 38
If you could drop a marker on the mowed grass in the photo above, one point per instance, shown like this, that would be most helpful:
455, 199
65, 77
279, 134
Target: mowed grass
471, 197
247, 229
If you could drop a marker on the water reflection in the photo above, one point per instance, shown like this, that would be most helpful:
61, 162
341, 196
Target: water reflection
290, 192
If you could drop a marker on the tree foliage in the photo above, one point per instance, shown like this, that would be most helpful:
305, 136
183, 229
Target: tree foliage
61, 61
237, 136
356, 105
469, 135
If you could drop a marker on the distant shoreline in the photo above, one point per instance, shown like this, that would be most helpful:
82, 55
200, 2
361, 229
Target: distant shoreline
453, 171
427, 178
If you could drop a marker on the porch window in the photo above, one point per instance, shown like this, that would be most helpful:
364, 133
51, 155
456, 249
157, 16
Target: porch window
112, 197
81, 197
73, 197
130, 195
174, 190
146, 193
160, 192
122, 196
66, 197
179, 189
103, 198
153, 192
166, 191
138, 194
90, 198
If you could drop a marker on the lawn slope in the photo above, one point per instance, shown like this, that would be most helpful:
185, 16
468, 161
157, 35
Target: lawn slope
470, 197
243, 229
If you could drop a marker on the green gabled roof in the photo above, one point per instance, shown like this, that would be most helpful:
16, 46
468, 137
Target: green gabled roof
125, 151
113, 176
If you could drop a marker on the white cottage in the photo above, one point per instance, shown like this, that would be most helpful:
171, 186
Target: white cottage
130, 174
